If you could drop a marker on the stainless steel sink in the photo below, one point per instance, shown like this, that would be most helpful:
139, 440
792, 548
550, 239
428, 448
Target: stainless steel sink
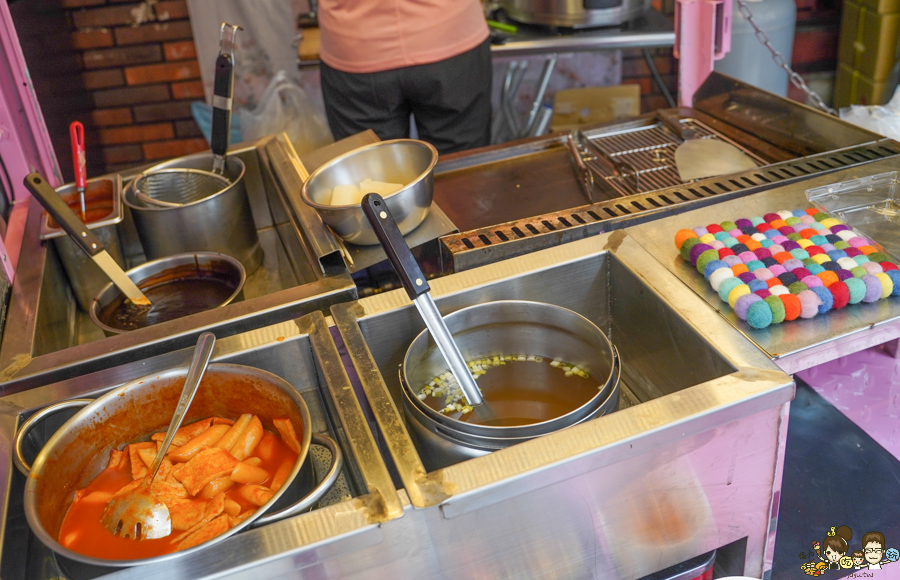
300, 351
690, 462
303, 271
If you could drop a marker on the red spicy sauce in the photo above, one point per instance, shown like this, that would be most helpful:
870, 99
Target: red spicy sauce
82, 532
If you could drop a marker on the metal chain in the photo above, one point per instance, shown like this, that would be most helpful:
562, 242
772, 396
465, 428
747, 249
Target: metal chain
782, 62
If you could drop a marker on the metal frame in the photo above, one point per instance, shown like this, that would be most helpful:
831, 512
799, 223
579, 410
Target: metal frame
662, 435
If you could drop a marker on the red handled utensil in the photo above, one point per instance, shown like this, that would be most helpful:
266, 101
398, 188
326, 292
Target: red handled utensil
76, 132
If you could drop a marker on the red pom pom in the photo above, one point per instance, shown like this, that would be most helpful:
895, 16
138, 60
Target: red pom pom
888, 266
725, 252
714, 228
841, 294
791, 306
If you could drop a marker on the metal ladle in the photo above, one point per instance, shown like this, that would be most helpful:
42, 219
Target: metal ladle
413, 280
137, 513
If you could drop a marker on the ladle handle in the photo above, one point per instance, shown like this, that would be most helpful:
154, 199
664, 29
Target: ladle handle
396, 248
63, 214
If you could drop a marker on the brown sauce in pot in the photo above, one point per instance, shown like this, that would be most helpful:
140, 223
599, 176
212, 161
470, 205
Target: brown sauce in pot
526, 392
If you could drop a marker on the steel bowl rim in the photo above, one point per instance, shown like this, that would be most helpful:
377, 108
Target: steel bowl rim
130, 187
494, 430
55, 546
93, 312
304, 194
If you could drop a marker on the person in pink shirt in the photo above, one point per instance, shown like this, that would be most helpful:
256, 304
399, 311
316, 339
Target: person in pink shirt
384, 60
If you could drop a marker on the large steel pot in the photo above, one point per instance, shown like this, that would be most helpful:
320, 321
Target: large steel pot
405, 161
80, 449
219, 223
504, 327
220, 267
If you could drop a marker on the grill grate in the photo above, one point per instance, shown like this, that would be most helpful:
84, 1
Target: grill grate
649, 153
498, 242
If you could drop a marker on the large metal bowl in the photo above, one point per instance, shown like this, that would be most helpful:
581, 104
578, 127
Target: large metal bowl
207, 264
399, 161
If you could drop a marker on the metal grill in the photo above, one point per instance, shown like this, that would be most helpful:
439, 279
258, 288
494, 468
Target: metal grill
647, 153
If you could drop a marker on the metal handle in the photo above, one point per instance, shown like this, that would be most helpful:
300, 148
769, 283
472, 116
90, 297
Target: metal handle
76, 132
223, 91
199, 362
19, 457
396, 248
337, 462
64, 216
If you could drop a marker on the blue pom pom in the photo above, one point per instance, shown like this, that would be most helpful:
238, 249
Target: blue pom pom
712, 267
757, 285
894, 275
825, 296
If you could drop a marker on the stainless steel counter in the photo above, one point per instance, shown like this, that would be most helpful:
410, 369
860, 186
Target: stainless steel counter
795, 345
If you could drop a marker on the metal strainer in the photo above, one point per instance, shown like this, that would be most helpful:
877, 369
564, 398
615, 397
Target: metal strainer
177, 186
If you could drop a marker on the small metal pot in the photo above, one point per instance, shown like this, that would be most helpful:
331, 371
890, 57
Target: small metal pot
406, 161
504, 328
147, 275
220, 223
79, 450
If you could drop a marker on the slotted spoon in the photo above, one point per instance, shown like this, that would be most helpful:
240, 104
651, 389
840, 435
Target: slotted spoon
137, 514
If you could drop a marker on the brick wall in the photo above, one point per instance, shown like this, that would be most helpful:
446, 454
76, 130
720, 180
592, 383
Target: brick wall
139, 68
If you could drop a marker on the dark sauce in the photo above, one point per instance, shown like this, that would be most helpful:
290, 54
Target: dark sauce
526, 392
170, 300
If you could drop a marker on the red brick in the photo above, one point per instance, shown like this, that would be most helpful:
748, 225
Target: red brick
171, 10
80, 3
188, 90
157, 73
181, 50
162, 112
130, 55
135, 134
107, 16
111, 117
123, 154
166, 149
187, 128
103, 79
131, 96
813, 46
84, 39
157, 32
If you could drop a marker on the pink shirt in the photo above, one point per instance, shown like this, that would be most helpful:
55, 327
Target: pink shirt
363, 36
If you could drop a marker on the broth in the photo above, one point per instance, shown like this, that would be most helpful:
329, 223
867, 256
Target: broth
169, 300
523, 392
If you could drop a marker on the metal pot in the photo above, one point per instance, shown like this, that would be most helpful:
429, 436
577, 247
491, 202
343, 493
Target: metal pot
504, 328
406, 161
79, 450
218, 266
219, 223
575, 13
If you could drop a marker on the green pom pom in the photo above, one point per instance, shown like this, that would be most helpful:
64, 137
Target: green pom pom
759, 315
797, 288
858, 272
728, 226
686, 247
777, 307
705, 258
857, 289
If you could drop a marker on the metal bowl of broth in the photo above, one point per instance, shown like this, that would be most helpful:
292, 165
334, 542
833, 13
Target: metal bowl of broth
176, 286
529, 396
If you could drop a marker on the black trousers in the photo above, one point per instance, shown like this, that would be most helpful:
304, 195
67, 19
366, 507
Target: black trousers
450, 100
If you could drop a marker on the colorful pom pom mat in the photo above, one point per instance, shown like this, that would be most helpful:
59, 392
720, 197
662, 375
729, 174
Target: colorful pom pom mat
788, 264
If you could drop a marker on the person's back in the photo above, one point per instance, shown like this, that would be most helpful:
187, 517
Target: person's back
386, 59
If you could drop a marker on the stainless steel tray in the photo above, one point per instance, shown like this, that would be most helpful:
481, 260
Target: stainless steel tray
302, 352
795, 345
691, 462
302, 272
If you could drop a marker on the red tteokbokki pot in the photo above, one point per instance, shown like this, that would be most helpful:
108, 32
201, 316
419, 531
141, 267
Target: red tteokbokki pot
110, 440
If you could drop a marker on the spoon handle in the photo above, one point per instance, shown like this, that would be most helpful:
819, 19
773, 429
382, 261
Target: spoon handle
202, 354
